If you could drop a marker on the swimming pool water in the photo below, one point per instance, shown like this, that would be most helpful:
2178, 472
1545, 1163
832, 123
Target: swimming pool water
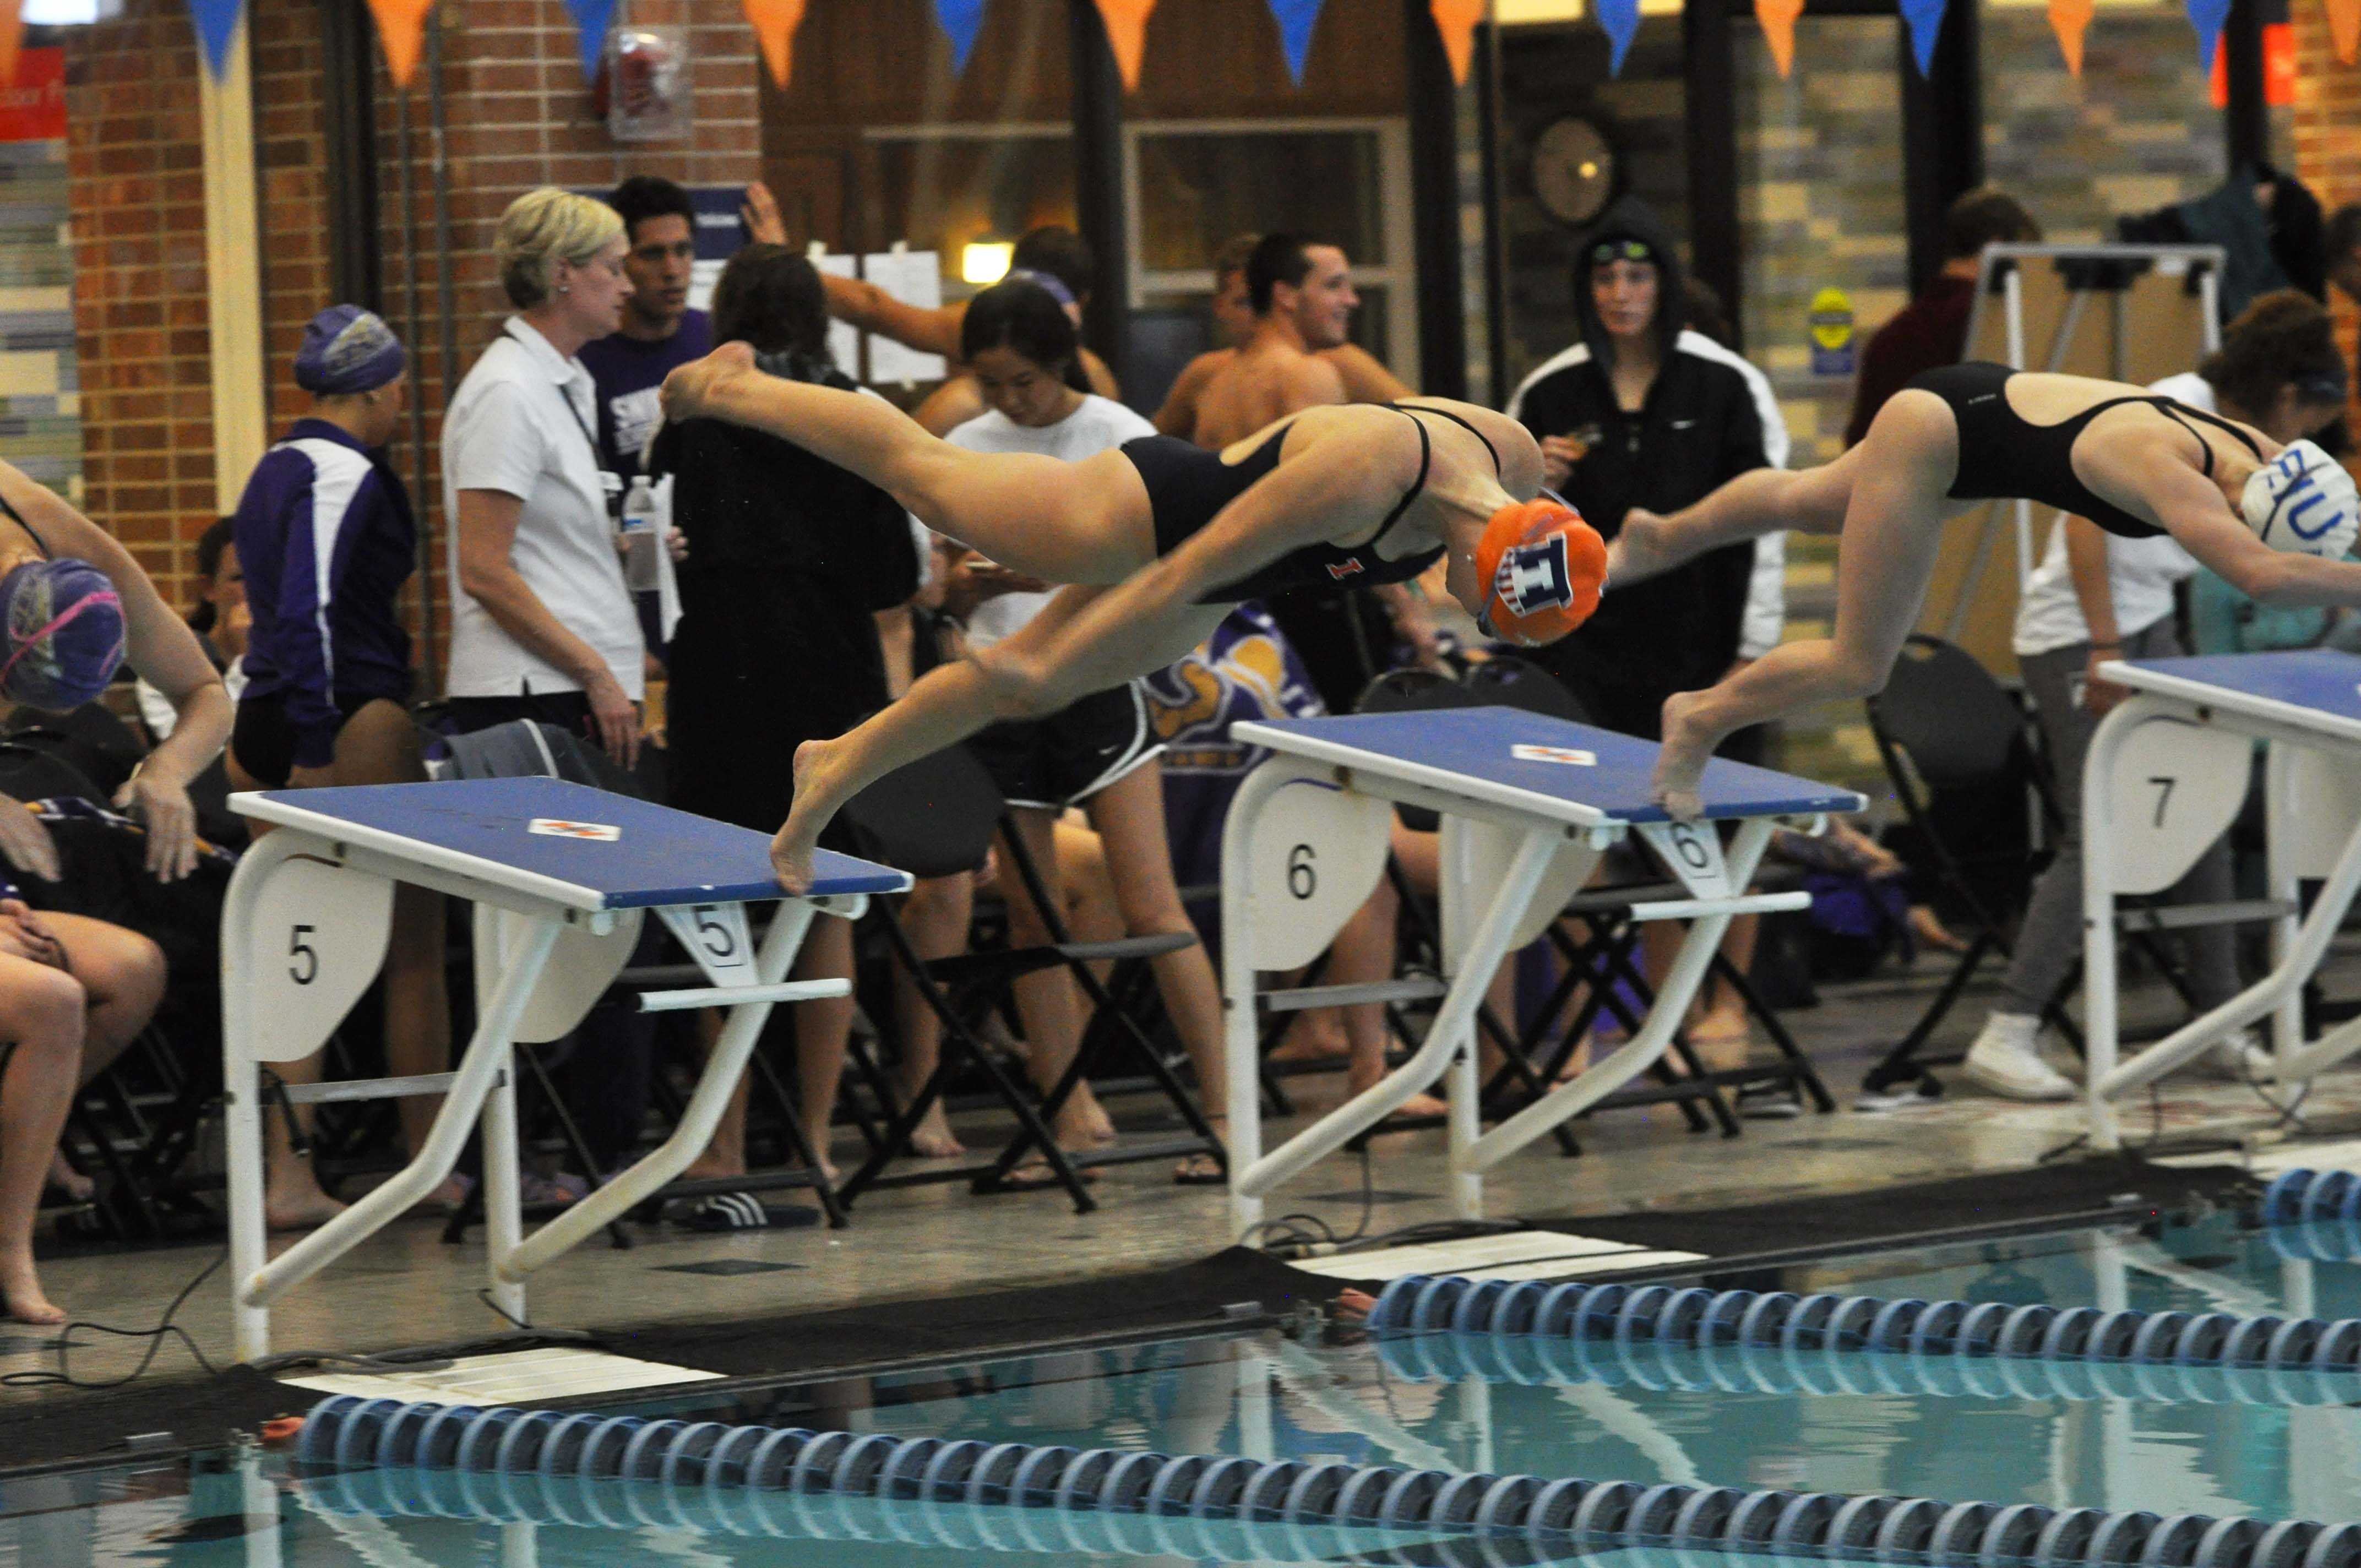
1261, 1394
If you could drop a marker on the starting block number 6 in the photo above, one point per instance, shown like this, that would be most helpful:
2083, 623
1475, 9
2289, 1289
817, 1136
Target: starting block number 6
1318, 852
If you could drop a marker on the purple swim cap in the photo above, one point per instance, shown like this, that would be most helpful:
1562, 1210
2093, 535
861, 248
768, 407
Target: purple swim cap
63, 633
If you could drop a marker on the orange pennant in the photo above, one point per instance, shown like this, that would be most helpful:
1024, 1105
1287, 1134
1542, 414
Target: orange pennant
1455, 20
2070, 20
1778, 21
12, 37
2345, 25
1126, 30
775, 22
401, 29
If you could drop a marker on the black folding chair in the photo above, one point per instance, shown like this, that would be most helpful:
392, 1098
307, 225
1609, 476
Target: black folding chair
91, 738
1959, 750
936, 818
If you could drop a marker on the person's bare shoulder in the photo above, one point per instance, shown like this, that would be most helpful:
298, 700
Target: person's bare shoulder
1365, 376
1179, 414
1309, 380
950, 406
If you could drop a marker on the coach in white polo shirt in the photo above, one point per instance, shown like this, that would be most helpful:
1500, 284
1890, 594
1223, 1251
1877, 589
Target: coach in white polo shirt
542, 627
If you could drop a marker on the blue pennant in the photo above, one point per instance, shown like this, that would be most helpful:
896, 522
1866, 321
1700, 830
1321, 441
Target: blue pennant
1621, 20
1925, 18
2208, 16
962, 19
217, 22
590, 20
1295, 20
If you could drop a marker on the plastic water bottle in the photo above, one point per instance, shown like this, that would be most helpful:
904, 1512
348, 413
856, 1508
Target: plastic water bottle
639, 537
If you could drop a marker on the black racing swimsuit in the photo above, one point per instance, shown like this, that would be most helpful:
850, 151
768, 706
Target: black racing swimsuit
2004, 456
1187, 486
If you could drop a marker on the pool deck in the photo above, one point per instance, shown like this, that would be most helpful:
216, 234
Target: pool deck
406, 1289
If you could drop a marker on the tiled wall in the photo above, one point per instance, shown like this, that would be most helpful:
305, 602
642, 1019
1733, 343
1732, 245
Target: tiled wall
41, 420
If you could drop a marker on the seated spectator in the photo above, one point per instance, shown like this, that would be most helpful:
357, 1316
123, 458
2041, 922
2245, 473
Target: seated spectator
324, 531
219, 619
73, 992
787, 559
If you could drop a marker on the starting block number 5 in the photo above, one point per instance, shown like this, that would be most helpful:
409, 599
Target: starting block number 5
1318, 852
318, 939
719, 937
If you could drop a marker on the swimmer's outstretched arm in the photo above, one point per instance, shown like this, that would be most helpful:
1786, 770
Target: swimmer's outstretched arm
2193, 510
1088, 640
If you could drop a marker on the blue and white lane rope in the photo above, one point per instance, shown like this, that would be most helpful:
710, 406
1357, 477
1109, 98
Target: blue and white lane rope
622, 1472
1792, 1368
1418, 1303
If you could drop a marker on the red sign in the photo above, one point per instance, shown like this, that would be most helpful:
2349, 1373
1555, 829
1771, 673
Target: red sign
33, 107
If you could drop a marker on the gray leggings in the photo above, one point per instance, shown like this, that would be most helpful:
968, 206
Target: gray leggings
2051, 940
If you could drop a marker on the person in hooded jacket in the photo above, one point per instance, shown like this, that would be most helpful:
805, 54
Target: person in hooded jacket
1643, 410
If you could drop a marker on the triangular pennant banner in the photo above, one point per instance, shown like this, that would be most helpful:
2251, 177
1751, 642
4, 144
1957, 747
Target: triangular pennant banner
590, 20
216, 23
2207, 16
775, 23
962, 19
1621, 20
12, 38
2070, 20
1295, 21
2345, 26
1777, 20
1127, 28
1924, 20
1456, 20
401, 29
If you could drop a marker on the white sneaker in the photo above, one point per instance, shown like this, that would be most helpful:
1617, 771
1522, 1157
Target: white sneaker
2242, 1059
2003, 1061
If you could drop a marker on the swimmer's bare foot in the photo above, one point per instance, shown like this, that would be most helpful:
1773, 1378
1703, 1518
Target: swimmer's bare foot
20, 1295
1680, 763
691, 389
793, 846
1642, 547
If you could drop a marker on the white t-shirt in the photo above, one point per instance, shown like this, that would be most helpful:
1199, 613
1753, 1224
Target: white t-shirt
2140, 572
509, 429
1091, 429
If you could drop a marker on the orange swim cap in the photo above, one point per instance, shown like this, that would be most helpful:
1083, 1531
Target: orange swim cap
1542, 569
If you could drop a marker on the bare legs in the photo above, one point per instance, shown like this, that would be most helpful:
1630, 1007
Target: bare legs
935, 919
821, 1029
41, 1024
1029, 675
378, 744
1892, 489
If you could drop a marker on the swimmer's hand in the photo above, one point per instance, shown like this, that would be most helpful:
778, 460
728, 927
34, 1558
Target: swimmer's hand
691, 391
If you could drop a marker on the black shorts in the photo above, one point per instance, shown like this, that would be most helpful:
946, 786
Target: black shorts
264, 743
1065, 759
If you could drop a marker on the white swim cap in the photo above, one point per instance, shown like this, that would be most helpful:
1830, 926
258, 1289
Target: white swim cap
2303, 501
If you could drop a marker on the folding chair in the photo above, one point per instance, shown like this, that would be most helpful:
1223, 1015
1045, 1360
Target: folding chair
1945, 727
91, 738
936, 818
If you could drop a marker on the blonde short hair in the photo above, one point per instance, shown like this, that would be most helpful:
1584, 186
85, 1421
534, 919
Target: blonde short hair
544, 226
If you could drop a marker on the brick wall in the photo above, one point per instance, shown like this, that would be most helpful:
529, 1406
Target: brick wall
2327, 153
518, 117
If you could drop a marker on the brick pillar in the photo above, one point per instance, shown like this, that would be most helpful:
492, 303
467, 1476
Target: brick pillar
2328, 137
